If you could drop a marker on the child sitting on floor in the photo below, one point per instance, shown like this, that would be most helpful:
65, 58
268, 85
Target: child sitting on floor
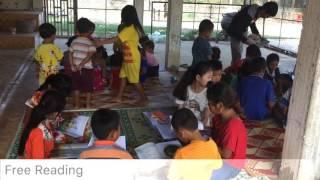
153, 63
37, 139
105, 126
256, 94
191, 91
272, 70
48, 54
216, 71
201, 48
197, 147
228, 129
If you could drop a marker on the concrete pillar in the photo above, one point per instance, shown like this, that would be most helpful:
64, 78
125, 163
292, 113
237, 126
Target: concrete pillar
175, 9
139, 5
301, 152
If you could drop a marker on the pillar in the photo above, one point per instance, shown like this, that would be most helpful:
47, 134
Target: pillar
301, 151
139, 5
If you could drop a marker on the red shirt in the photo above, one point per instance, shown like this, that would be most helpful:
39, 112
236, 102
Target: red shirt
232, 135
116, 81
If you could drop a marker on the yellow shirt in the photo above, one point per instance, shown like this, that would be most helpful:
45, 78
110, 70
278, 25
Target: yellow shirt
48, 57
200, 158
130, 68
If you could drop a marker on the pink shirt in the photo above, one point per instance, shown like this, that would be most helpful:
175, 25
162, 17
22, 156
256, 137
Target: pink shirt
152, 61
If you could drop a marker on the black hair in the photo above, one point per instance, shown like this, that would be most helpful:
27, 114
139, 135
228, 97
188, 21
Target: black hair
185, 119
51, 102
149, 44
216, 52
222, 93
129, 17
253, 51
187, 79
271, 8
46, 30
103, 122
84, 25
143, 40
216, 65
70, 39
103, 51
286, 84
205, 25
116, 59
59, 82
272, 57
258, 65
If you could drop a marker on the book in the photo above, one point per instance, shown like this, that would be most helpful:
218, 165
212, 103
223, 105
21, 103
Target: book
162, 123
152, 150
76, 126
121, 141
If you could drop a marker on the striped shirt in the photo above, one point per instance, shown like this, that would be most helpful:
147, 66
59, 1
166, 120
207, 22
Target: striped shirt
81, 47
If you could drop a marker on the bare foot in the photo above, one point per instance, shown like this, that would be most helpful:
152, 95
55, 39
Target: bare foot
116, 100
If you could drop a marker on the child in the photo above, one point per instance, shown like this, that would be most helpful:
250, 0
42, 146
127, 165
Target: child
143, 67
153, 64
115, 61
280, 110
191, 91
197, 147
272, 70
37, 140
105, 126
130, 33
216, 71
256, 94
99, 64
216, 52
81, 52
201, 48
47, 54
228, 129
65, 62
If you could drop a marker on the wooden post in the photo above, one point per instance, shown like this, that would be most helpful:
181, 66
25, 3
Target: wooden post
301, 152
139, 5
173, 42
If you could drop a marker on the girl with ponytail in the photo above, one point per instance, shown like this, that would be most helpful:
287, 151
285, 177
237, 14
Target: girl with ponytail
37, 139
191, 91
228, 128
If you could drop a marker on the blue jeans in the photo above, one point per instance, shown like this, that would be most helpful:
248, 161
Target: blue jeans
226, 172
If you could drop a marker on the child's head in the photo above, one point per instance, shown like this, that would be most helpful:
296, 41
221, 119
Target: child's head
184, 124
222, 99
130, 17
258, 65
70, 39
273, 61
285, 81
269, 9
49, 107
143, 40
101, 52
216, 52
216, 71
116, 59
253, 51
47, 31
201, 74
105, 124
85, 27
149, 46
206, 28
59, 82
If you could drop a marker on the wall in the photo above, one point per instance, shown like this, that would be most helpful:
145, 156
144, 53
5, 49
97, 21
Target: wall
21, 5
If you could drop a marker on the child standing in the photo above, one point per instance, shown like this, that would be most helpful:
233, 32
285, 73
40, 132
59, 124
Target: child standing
47, 55
80, 56
105, 125
201, 48
37, 140
153, 64
228, 129
191, 91
272, 70
256, 94
197, 147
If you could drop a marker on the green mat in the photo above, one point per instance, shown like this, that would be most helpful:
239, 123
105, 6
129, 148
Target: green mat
134, 125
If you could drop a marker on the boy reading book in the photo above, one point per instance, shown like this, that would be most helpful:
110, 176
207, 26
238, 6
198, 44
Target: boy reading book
105, 126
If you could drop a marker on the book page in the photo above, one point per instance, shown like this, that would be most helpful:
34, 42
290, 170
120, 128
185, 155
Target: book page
121, 142
148, 151
161, 146
77, 126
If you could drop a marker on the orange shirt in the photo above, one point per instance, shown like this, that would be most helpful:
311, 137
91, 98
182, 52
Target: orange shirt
39, 144
104, 149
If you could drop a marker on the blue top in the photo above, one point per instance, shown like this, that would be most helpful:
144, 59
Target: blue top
255, 93
201, 49
143, 70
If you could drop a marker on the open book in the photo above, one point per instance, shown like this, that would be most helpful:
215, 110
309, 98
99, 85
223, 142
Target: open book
154, 151
121, 141
77, 126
